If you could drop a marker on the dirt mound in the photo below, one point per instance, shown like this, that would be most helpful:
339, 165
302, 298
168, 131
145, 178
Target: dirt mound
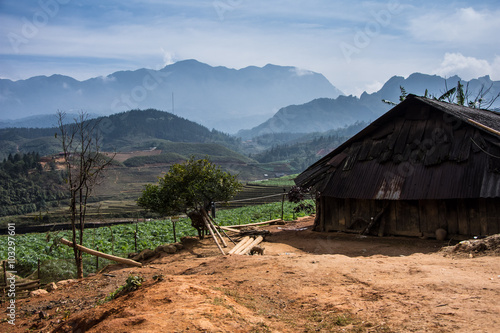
305, 282
476, 247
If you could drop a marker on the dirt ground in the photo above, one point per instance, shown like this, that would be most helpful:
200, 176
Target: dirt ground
305, 282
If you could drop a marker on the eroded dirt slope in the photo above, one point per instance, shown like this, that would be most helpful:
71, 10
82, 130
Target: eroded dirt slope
305, 282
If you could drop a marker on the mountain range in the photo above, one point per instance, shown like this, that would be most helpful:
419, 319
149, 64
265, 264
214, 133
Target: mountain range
324, 114
248, 102
216, 97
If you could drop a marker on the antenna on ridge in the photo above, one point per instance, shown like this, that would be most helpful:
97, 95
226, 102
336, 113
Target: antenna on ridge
172, 102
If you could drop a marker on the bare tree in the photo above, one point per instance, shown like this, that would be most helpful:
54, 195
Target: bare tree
84, 168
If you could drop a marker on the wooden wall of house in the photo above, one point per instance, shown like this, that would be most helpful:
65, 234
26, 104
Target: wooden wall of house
459, 217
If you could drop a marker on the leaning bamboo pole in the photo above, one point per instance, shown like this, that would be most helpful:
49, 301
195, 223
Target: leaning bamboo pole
207, 224
100, 254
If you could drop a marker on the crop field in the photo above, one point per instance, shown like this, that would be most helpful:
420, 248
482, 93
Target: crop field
119, 240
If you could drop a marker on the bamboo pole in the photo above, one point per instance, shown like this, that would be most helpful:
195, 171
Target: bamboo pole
239, 245
216, 231
247, 249
222, 230
229, 229
254, 224
100, 254
213, 236
489, 129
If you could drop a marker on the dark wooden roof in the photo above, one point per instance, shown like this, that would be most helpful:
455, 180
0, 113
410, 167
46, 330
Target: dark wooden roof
420, 149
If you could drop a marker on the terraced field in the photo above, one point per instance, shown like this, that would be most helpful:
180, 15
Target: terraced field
256, 194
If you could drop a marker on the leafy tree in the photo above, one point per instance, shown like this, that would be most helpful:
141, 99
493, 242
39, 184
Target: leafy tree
190, 187
297, 195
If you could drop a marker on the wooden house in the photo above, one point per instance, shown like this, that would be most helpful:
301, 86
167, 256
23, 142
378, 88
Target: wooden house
422, 166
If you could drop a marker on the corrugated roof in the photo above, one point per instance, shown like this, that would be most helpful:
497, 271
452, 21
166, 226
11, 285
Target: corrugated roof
420, 149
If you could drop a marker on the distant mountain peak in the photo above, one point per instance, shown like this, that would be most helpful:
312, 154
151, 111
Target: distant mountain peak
216, 97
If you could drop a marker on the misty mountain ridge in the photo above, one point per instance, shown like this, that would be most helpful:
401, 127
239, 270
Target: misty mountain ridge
216, 97
325, 114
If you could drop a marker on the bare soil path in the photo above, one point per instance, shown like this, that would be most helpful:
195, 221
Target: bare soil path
305, 282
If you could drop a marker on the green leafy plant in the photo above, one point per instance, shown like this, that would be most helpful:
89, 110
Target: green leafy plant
132, 283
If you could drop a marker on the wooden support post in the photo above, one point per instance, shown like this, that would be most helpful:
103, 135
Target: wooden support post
239, 245
100, 254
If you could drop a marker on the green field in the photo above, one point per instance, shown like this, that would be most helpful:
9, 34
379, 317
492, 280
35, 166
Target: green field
57, 262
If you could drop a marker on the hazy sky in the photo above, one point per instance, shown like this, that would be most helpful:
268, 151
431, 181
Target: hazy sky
357, 45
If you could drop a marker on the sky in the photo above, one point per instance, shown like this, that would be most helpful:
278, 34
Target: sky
356, 45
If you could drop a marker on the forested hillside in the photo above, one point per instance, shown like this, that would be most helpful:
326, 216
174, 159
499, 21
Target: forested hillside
25, 187
122, 132
307, 149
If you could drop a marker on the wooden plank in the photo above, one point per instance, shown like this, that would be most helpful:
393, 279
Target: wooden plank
493, 216
239, 245
483, 216
473, 217
386, 216
463, 222
347, 212
247, 249
408, 217
333, 208
429, 216
451, 216
341, 214
321, 211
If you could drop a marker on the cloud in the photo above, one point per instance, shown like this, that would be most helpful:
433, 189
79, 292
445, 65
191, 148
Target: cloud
301, 72
468, 67
464, 25
107, 79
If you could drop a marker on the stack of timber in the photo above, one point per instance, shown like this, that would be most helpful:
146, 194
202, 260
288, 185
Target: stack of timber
245, 245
